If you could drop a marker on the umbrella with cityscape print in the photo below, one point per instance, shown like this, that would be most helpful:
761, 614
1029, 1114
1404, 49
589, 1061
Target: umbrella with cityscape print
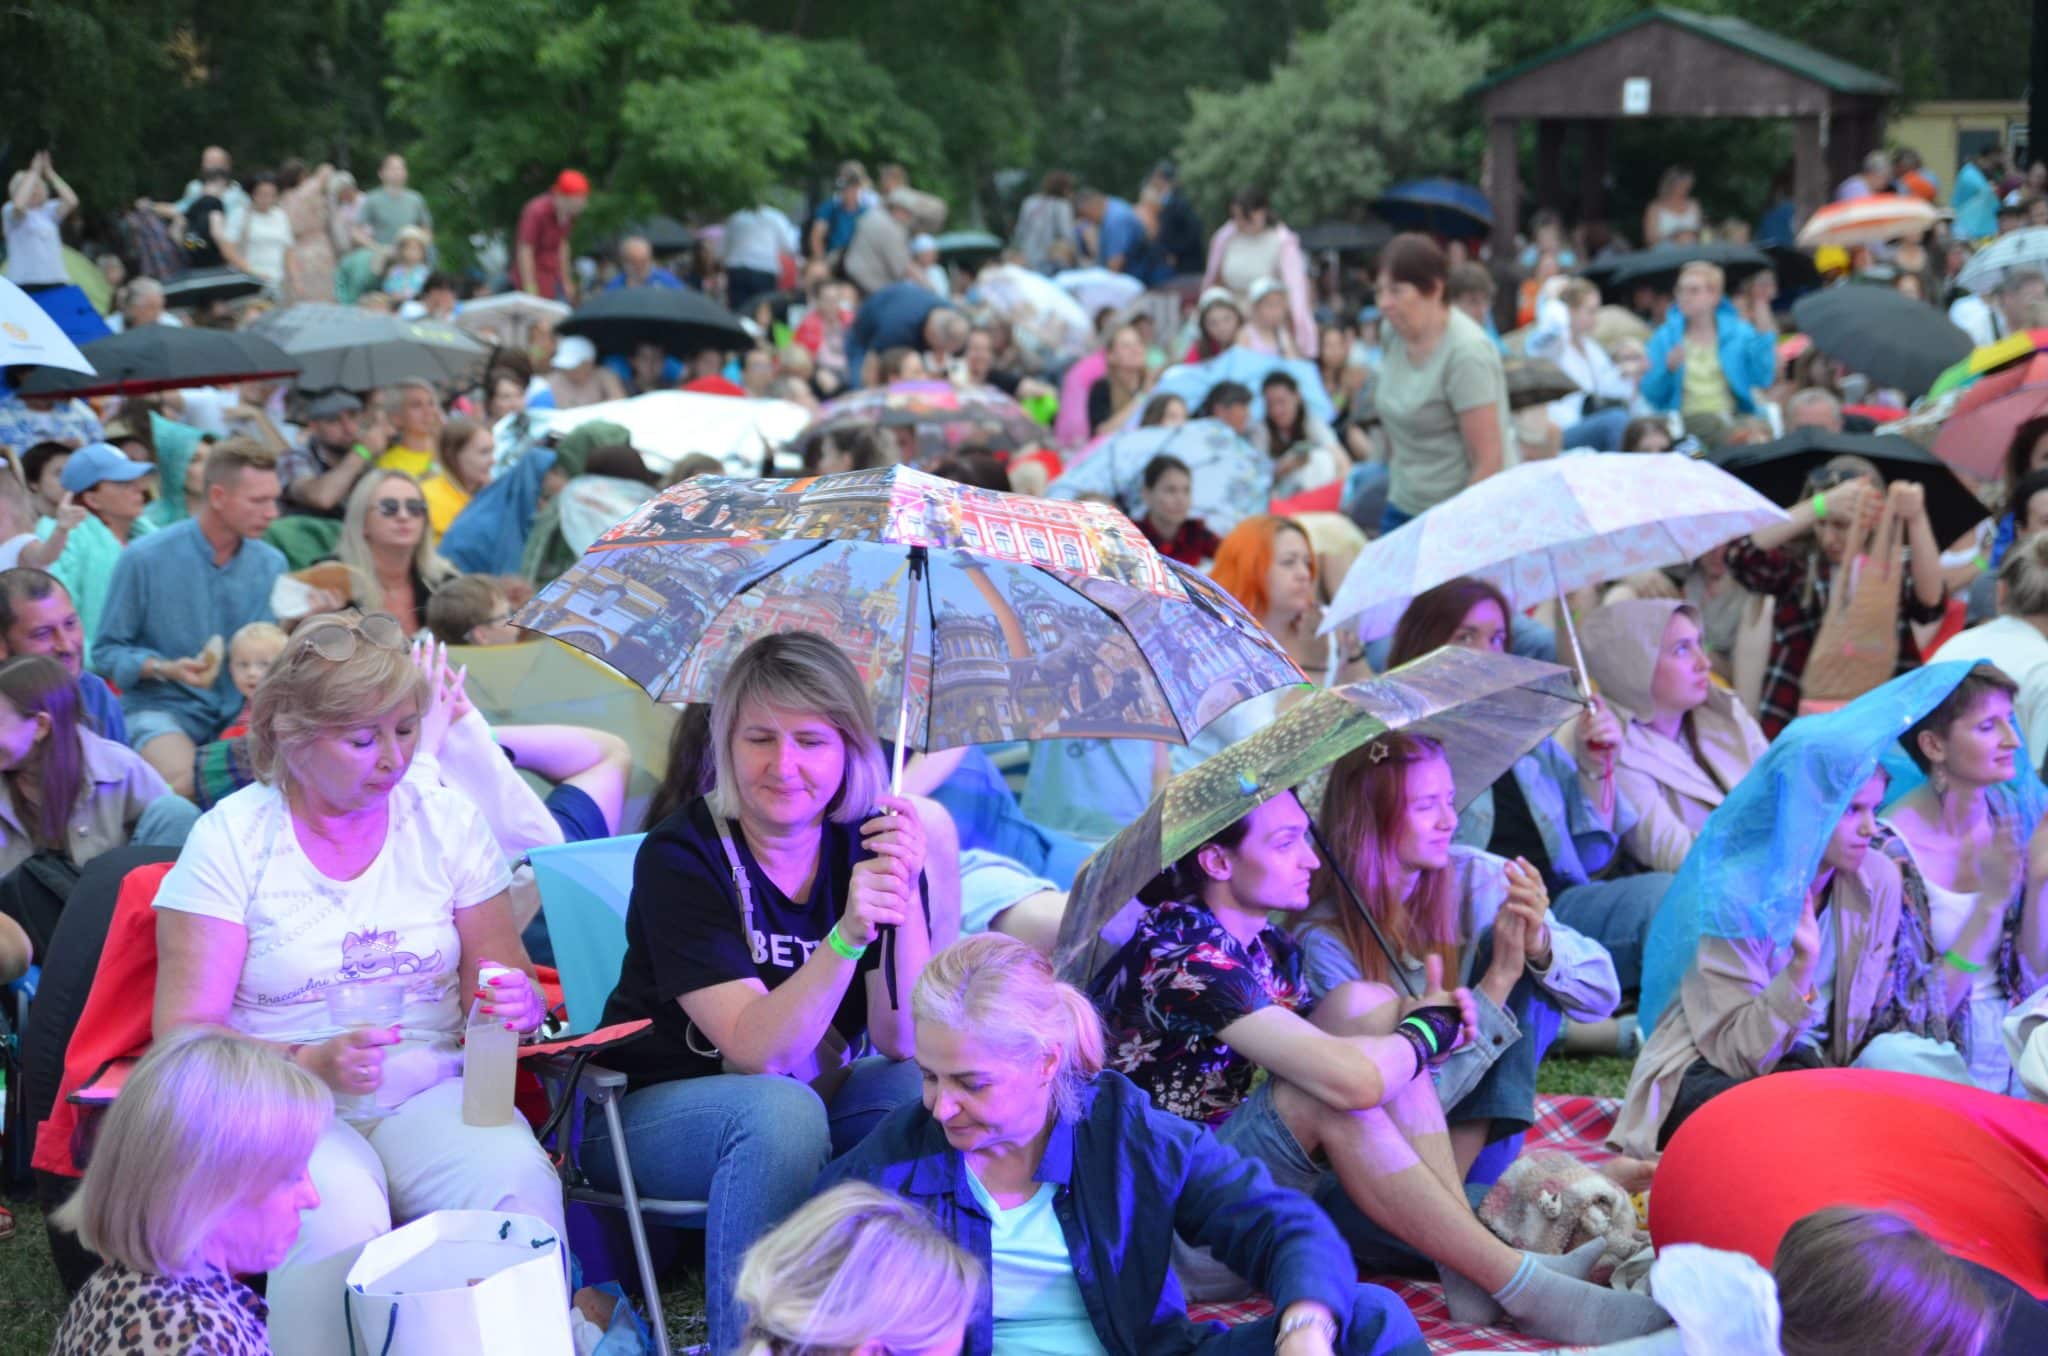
930, 418
974, 616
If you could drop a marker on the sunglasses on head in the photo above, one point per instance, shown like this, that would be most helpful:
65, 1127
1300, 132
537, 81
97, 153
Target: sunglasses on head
335, 638
413, 508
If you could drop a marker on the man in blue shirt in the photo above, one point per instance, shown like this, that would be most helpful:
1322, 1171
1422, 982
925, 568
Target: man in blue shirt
37, 616
901, 315
176, 590
1121, 245
637, 267
832, 227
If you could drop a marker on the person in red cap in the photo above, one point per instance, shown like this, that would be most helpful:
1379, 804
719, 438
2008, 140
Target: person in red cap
542, 263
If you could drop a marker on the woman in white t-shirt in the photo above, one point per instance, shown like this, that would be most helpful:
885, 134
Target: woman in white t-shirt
265, 236
338, 867
35, 250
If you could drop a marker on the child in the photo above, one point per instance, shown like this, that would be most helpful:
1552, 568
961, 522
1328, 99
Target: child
251, 652
471, 610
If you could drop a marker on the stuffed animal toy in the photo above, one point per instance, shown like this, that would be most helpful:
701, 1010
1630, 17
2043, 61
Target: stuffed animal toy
1551, 1203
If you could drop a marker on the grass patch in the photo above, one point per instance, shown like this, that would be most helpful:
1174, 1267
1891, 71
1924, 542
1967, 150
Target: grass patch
1583, 1076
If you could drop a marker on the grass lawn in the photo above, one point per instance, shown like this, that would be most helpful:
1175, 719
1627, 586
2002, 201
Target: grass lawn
31, 1300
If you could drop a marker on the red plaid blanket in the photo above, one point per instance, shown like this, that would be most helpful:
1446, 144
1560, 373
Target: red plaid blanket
1576, 1125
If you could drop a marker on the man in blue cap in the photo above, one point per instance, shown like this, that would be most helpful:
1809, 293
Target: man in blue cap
108, 485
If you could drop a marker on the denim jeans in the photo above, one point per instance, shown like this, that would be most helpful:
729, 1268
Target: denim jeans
1506, 1093
752, 1145
986, 813
1615, 913
1601, 432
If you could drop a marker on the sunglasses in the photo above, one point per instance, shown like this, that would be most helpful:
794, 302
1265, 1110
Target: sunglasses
335, 640
413, 508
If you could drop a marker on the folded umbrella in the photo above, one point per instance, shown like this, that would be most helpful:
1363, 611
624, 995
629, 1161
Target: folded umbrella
680, 321
350, 349
165, 358
1893, 339
1487, 710
1231, 478
1979, 429
1778, 470
30, 337
1872, 219
940, 415
1443, 207
2024, 251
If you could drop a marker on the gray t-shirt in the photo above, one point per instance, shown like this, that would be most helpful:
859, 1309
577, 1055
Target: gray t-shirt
1419, 407
386, 214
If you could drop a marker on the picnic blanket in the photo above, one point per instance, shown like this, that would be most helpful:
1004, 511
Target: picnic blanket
1575, 1125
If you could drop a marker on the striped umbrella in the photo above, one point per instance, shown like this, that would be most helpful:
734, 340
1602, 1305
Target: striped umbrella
1871, 220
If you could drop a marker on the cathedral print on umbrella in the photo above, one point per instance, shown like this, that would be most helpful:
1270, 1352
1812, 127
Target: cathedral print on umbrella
1033, 619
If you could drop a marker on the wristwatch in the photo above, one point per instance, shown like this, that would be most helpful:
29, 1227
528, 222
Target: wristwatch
1321, 1323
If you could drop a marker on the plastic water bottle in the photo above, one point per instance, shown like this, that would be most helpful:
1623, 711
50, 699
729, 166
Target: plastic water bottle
490, 1056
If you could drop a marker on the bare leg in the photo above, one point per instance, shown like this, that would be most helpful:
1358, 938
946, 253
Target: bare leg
596, 762
1364, 1009
1033, 920
941, 870
171, 754
1467, 1139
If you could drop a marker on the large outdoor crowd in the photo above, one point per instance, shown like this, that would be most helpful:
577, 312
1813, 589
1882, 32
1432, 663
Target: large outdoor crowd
234, 622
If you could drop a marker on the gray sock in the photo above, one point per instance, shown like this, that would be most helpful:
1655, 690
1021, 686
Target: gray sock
1546, 1303
1470, 1304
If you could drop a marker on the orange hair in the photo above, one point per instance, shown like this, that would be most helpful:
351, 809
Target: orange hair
1246, 556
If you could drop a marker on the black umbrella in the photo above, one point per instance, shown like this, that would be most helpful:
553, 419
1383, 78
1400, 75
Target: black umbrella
1778, 471
664, 235
1658, 266
202, 286
1536, 381
164, 358
1346, 237
350, 349
1795, 269
1893, 339
969, 249
682, 322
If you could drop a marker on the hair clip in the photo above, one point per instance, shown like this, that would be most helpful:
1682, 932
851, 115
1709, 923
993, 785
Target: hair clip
1246, 785
1378, 752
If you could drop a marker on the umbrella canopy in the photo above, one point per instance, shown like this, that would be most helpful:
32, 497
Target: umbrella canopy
1979, 429
2020, 252
1099, 289
29, 337
87, 277
1232, 479
941, 415
1025, 619
1192, 382
1443, 207
664, 235
1487, 710
670, 425
681, 321
347, 348
1892, 338
969, 249
1546, 527
1346, 237
204, 286
1536, 381
509, 317
1989, 358
165, 358
1778, 471
1657, 267
1870, 220
1050, 326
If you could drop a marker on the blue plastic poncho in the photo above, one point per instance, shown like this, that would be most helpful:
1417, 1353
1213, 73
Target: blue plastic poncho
1749, 869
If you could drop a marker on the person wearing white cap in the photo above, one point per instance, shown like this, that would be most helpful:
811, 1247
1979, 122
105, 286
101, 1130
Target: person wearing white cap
924, 253
577, 379
103, 481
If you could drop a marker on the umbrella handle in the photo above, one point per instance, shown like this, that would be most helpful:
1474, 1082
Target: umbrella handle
1394, 965
917, 573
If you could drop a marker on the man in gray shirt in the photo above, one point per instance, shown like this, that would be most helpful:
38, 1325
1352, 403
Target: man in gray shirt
393, 206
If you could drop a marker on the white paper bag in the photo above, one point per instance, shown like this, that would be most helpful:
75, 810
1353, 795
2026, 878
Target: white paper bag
461, 1281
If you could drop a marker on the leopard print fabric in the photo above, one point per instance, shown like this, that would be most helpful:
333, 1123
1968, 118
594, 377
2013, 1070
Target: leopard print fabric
121, 1311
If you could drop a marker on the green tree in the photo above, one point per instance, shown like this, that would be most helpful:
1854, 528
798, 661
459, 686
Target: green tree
1369, 100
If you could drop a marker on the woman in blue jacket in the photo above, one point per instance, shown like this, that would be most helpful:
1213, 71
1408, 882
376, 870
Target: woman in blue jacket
1705, 359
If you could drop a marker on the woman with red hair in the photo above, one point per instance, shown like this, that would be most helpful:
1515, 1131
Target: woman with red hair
1268, 564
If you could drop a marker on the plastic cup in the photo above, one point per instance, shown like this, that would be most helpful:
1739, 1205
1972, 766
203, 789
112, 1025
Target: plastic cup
361, 1005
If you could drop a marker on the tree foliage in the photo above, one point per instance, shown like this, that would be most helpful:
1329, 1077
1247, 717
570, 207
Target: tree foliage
1367, 101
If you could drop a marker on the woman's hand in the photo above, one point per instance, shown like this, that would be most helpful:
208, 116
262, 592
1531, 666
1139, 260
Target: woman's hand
1529, 900
1907, 501
875, 899
897, 834
513, 998
1599, 728
351, 1063
431, 658
1805, 944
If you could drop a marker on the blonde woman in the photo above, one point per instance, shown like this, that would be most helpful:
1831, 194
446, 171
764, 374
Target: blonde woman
1059, 1177
808, 1286
337, 867
180, 1199
388, 544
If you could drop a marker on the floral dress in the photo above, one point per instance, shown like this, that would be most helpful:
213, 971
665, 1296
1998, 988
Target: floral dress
120, 1310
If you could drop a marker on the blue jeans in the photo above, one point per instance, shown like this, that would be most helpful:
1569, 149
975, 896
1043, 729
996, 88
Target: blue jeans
1506, 1093
1364, 498
1615, 913
1601, 432
1379, 1324
986, 813
752, 1145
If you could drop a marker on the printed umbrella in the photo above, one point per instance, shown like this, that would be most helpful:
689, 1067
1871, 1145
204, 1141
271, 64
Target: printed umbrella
681, 321
975, 616
1100, 289
1232, 479
940, 415
1443, 207
2021, 252
1989, 358
1985, 416
1778, 470
1487, 710
1544, 528
1050, 326
165, 358
28, 335
667, 426
1892, 338
1870, 220
1192, 381
350, 349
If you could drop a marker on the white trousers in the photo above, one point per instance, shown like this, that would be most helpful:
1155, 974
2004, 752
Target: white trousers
418, 1159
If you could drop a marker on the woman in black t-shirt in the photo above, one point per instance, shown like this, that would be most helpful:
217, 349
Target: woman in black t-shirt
754, 944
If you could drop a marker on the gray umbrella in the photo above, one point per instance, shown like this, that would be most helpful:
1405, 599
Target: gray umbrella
342, 347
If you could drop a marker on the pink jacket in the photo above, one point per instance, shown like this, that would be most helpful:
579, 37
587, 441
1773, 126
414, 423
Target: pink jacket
1293, 276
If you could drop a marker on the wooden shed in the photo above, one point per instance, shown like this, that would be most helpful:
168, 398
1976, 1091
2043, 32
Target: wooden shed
1674, 63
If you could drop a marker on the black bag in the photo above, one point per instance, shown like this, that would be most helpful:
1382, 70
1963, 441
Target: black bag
34, 894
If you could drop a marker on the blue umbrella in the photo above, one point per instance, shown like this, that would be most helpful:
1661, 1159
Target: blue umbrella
1232, 479
1440, 206
1192, 381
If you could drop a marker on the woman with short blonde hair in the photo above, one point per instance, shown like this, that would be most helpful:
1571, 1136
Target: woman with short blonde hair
179, 1199
809, 1285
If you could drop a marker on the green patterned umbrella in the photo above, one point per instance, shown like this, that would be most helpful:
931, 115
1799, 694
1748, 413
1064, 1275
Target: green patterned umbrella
1487, 710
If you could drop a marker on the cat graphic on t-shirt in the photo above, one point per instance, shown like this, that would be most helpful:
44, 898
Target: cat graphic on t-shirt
370, 952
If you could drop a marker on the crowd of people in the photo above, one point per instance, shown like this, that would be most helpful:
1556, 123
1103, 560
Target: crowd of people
232, 623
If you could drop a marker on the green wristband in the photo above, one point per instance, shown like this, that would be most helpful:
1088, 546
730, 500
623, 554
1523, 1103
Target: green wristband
840, 944
367, 455
1957, 961
1820, 506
